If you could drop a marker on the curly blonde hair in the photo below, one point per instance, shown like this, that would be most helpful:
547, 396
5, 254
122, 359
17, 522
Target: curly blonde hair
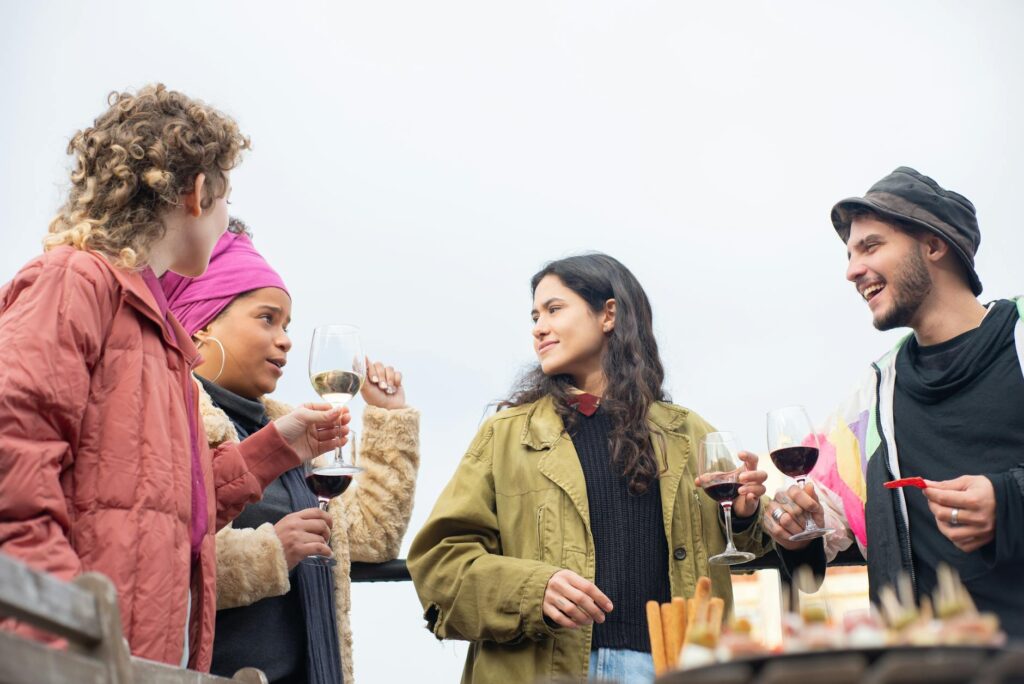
133, 165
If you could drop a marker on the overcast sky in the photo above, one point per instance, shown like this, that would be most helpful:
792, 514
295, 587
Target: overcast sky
415, 163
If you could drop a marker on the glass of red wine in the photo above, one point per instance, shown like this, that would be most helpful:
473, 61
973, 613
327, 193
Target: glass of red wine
327, 477
793, 447
719, 466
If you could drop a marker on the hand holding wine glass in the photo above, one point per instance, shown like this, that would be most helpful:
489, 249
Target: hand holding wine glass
719, 466
751, 485
315, 428
304, 533
793, 446
794, 505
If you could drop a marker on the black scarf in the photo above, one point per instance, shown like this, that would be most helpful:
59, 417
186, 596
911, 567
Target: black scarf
315, 582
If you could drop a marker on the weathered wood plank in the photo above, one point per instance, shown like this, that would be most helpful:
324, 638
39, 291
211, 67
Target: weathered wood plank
47, 602
250, 675
29, 662
158, 673
112, 649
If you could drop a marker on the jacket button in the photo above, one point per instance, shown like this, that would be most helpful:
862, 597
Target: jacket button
680, 553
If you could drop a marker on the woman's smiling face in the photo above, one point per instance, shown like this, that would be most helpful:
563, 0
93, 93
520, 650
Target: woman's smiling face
568, 336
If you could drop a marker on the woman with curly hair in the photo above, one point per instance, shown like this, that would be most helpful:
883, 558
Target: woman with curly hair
288, 618
103, 466
576, 504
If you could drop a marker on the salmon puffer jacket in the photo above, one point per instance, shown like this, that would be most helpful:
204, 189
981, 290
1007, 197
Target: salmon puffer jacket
95, 449
368, 521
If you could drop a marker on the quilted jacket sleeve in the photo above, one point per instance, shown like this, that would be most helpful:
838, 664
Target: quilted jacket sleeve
377, 510
53, 321
242, 470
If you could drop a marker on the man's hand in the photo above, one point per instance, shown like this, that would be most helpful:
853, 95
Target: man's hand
794, 505
571, 601
974, 500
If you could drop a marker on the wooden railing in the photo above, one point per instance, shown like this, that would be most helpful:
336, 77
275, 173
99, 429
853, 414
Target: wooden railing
396, 570
85, 614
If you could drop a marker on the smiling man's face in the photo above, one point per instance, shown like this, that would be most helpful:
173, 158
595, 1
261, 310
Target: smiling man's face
888, 268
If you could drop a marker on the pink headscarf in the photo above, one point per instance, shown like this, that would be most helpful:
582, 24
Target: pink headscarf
235, 267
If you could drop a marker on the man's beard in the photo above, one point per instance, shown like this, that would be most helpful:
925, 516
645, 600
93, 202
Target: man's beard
909, 287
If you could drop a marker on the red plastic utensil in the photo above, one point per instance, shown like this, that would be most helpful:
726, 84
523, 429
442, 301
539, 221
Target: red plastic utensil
907, 482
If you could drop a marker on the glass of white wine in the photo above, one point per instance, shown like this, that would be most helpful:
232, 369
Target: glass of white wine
337, 369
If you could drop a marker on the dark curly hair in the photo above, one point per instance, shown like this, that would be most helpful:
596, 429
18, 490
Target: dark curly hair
134, 163
631, 364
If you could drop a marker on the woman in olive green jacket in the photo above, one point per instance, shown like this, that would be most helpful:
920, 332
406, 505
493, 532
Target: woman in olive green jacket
577, 504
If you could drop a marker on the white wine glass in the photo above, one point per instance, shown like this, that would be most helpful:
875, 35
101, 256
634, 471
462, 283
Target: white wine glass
337, 369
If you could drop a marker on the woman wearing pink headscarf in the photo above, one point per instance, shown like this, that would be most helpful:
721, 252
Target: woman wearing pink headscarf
288, 619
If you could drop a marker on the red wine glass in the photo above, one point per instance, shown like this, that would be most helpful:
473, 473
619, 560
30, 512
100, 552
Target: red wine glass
793, 447
327, 478
719, 466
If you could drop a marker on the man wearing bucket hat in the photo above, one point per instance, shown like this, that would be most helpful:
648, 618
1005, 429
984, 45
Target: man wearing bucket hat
946, 405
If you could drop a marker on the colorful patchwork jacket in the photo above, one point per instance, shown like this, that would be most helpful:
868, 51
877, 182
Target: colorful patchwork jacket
858, 454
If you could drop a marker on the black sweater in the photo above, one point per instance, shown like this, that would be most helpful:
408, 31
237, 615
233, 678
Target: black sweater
271, 633
629, 540
959, 409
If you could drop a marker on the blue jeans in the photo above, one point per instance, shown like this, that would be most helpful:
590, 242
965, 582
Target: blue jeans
621, 665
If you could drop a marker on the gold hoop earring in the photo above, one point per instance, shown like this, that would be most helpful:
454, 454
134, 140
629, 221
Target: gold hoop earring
223, 355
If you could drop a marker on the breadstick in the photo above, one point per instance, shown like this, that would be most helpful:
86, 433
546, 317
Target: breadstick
670, 625
702, 596
654, 628
680, 608
716, 611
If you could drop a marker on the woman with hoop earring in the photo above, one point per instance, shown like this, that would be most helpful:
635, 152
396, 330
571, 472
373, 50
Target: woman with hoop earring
289, 619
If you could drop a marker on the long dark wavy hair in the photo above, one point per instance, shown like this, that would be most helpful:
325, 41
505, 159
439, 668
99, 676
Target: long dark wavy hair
631, 364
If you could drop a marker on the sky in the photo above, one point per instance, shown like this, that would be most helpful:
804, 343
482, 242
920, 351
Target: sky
414, 164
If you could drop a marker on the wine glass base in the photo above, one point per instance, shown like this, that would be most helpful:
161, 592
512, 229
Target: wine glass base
324, 561
811, 534
340, 469
731, 558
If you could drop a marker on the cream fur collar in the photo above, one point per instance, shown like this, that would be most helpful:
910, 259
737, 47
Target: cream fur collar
218, 426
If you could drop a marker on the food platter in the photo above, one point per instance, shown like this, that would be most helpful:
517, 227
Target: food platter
801, 667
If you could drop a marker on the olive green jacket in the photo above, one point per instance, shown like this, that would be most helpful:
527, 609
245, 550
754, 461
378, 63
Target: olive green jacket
516, 512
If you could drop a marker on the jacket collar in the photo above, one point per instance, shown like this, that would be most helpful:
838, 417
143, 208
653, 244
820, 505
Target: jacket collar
560, 463
139, 297
544, 426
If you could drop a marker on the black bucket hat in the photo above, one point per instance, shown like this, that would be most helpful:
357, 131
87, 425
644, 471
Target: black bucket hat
908, 196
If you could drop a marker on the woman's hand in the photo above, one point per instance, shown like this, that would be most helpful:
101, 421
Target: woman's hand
751, 485
383, 387
571, 601
314, 429
304, 533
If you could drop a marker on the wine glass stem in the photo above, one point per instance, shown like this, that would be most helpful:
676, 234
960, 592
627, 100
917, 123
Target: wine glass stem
727, 508
323, 502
